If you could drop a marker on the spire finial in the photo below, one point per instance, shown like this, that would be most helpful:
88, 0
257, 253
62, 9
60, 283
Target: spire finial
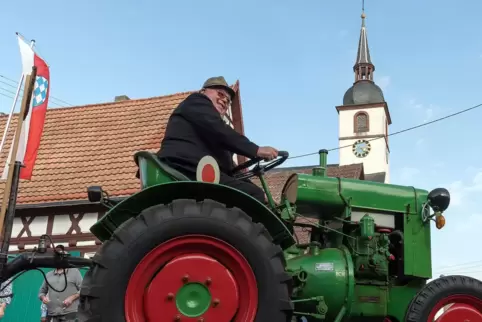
363, 66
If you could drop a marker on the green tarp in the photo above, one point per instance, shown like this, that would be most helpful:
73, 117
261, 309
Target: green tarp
25, 306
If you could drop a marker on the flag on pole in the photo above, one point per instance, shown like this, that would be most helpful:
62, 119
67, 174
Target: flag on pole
33, 125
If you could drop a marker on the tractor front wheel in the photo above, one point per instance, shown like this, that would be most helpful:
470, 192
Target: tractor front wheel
447, 299
188, 261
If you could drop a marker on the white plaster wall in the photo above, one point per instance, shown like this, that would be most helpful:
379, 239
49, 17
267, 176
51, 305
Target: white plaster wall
89, 255
377, 160
387, 172
377, 121
62, 223
37, 227
88, 221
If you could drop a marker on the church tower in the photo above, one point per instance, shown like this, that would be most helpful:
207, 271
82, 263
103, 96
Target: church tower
364, 119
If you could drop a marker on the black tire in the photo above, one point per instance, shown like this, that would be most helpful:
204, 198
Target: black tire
104, 286
437, 290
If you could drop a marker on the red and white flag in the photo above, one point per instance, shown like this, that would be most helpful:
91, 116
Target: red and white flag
33, 124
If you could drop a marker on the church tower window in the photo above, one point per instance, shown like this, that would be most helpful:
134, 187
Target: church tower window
361, 121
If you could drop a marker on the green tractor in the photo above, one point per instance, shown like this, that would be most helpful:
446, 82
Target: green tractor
183, 250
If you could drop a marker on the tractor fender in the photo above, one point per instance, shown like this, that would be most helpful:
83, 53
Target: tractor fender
167, 192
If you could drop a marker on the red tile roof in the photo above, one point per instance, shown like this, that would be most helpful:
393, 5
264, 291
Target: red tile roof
92, 144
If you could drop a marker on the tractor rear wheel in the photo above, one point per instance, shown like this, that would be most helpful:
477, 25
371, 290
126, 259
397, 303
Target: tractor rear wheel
462, 292
188, 261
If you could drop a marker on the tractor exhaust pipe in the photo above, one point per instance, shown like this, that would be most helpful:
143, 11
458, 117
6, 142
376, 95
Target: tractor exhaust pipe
321, 169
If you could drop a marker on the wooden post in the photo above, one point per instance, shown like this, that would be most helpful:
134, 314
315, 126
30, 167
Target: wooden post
27, 97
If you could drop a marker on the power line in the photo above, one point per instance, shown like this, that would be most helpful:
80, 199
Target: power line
451, 269
460, 273
21, 95
6, 95
16, 82
462, 264
460, 270
396, 133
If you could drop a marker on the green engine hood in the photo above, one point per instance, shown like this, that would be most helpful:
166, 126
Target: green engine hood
319, 193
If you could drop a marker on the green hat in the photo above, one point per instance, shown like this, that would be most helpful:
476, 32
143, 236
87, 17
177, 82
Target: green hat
219, 82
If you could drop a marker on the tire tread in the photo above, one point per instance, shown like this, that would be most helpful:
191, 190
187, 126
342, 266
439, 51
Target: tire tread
422, 304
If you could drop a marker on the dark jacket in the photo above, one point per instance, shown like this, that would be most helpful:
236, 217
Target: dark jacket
196, 129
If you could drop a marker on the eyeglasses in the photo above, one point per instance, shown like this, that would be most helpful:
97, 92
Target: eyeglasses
223, 95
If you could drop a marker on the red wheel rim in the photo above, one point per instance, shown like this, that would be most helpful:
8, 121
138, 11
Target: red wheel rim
464, 307
170, 283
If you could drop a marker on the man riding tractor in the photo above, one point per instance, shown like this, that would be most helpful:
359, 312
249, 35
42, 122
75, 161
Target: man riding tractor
196, 129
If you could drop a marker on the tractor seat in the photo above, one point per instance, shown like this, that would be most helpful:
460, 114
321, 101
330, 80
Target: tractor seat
154, 160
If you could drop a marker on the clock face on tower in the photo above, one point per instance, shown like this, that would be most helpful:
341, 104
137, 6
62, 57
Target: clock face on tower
361, 148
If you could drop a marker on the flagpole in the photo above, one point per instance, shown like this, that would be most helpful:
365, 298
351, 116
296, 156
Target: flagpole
26, 99
32, 43
10, 215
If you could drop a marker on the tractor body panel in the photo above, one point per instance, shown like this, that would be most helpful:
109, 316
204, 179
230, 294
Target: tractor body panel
399, 298
391, 206
317, 193
151, 174
167, 192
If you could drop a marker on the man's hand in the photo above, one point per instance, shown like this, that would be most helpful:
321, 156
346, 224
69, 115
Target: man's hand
45, 299
2, 309
67, 302
267, 152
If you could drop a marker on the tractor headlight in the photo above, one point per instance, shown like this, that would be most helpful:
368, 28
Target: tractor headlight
439, 199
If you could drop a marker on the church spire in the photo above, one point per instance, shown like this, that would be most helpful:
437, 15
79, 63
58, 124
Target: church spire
363, 65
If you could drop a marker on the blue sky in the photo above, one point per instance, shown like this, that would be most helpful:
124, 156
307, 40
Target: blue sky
294, 63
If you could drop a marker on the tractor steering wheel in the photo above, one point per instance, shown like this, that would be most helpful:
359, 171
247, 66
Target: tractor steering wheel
259, 168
